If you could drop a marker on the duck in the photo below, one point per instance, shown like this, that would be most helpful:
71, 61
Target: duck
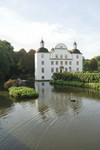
72, 100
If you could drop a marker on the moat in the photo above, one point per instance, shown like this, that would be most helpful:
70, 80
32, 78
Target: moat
51, 122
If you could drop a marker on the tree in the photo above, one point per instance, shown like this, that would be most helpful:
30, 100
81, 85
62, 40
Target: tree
93, 65
27, 62
85, 64
98, 61
6, 59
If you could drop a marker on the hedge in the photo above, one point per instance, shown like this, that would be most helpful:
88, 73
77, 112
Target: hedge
81, 77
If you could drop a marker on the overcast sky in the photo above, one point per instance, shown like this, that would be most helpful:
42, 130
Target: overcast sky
24, 22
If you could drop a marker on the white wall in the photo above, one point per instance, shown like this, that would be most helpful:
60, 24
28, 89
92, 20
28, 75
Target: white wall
48, 57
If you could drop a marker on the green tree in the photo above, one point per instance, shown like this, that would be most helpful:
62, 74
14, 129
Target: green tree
27, 62
98, 61
85, 64
93, 65
7, 61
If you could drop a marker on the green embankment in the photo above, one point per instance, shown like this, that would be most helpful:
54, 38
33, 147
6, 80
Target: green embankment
91, 80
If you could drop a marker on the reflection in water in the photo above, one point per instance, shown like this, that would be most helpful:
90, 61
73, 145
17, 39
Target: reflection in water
57, 99
52, 121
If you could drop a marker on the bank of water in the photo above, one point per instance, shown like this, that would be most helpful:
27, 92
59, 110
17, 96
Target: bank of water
52, 121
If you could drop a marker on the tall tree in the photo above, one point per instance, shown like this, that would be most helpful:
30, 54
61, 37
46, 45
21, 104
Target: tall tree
7, 61
98, 61
85, 64
93, 65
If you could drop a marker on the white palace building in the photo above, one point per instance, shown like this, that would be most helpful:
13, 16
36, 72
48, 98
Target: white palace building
59, 59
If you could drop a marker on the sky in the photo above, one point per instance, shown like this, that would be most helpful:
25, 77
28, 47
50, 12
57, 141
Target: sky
24, 23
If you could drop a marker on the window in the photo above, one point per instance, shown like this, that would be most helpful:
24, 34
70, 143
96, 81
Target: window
42, 70
52, 70
77, 62
65, 69
52, 62
77, 69
56, 62
61, 62
61, 56
65, 56
42, 77
65, 62
77, 56
70, 62
56, 69
42, 55
42, 62
56, 56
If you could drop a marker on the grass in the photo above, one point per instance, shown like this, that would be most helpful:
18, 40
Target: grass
22, 92
76, 83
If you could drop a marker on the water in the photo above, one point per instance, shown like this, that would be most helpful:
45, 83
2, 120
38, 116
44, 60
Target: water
51, 122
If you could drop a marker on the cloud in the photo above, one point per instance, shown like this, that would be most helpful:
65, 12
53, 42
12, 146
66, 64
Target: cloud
26, 34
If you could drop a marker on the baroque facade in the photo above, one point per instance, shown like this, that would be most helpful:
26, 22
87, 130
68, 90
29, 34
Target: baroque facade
59, 59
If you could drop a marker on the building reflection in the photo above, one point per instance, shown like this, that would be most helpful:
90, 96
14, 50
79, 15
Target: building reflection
56, 100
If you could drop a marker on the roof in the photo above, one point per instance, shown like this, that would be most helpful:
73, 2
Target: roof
76, 51
42, 41
42, 50
60, 46
75, 43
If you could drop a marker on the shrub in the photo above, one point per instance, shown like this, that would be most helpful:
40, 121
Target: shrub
22, 92
81, 77
10, 83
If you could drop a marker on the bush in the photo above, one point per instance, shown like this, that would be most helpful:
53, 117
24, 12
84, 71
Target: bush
10, 83
22, 92
81, 77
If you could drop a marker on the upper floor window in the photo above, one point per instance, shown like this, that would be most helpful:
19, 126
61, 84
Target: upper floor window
56, 62
61, 56
70, 62
56, 56
77, 56
42, 62
65, 62
61, 62
65, 56
52, 62
42, 70
42, 55
77, 62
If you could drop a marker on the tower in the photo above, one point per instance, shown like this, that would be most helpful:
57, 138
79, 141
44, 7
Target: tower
74, 45
42, 43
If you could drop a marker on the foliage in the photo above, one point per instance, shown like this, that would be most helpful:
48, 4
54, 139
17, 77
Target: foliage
85, 65
22, 92
10, 83
93, 65
7, 61
26, 62
98, 61
75, 83
81, 77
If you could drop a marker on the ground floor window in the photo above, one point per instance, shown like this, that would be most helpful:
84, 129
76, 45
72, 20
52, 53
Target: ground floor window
42, 77
66, 70
77, 69
56, 69
52, 70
